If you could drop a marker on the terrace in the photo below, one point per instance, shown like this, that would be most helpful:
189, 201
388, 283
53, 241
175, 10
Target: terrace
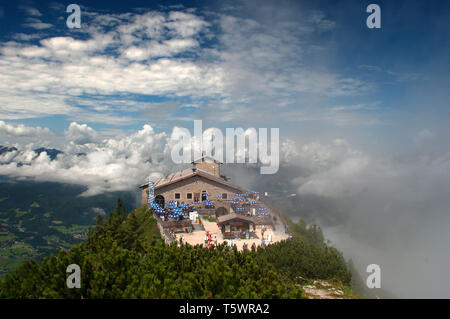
249, 216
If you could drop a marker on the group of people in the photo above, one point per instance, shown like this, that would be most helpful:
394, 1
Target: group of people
209, 239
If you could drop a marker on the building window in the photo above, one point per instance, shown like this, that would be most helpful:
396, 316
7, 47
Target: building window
177, 195
189, 195
224, 196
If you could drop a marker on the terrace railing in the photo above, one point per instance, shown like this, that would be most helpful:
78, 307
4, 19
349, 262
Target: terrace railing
165, 233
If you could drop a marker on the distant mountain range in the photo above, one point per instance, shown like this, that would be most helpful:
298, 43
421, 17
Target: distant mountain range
6, 149
51, 152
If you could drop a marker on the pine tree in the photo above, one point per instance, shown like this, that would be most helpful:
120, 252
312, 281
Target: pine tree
120, 209
118, 215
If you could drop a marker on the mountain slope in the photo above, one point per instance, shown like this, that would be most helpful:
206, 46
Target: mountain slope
37, 218
126, 258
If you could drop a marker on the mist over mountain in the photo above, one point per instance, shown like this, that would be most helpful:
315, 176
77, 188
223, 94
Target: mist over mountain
391, 212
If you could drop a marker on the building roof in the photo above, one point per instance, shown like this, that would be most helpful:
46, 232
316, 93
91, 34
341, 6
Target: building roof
201, 159
228, 217
172, 178
188, 173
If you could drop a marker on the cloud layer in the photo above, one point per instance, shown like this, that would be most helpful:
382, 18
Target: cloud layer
218, 61
101, 165
390, 210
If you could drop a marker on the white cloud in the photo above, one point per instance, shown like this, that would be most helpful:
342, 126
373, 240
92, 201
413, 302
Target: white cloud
249, 62
423, 136
25, 36
66, 67
317, 157
31, 11
392, 211
112, 164
154, 49
319, 19
185, 24
80, 134
98, 210
39, 25
20, 130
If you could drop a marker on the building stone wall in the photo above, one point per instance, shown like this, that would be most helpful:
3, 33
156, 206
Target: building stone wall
194, 185
208, 166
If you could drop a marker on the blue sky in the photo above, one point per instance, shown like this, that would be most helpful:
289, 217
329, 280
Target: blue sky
312, 66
